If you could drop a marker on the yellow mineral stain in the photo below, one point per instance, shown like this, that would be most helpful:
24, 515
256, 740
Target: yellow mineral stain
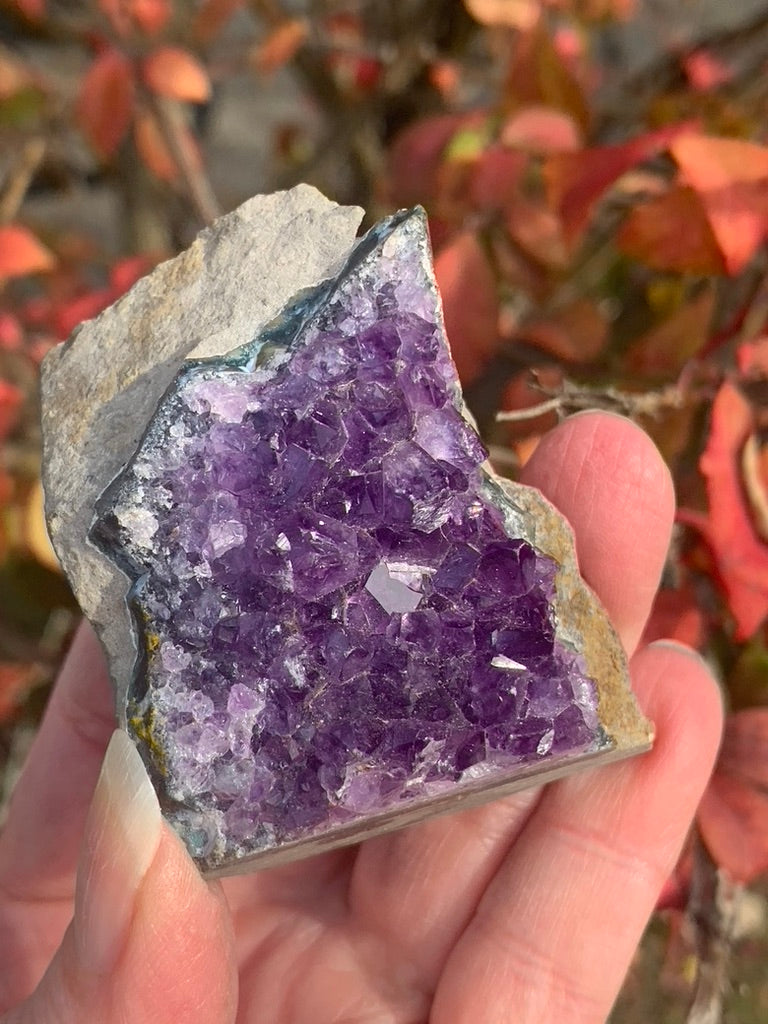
143, 729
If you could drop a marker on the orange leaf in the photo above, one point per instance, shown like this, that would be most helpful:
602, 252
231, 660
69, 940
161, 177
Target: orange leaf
470, 304
171, 71
36, 532
576, 181
576, 334
280, 46
666, 348
731, 176
21, 253
445, 77
541, 130
13, 76
740, 555
151, 16
152, 148
672, 233
105, 103
211, 17
538, 232
519, 14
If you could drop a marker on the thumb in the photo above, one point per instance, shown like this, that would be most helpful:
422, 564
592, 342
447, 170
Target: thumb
150, 940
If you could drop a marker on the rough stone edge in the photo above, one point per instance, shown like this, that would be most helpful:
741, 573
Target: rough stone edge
580, 614
100, 387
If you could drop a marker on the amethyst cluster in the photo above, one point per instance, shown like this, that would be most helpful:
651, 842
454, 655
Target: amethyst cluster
335, 613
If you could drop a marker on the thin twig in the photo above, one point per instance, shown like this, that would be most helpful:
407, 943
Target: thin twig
20, 177
576, 397
518, 415
170, 120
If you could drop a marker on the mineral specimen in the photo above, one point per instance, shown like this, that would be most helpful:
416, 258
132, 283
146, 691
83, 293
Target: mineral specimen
343, 617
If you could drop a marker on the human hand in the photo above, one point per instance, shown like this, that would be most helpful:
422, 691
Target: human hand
527, 909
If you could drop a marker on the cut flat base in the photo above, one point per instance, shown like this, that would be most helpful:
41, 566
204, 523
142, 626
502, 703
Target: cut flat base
345, 622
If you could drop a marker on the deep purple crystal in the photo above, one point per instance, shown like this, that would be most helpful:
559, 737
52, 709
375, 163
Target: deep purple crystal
335, 614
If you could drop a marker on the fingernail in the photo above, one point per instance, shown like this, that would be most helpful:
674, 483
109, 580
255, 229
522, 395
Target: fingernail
122, 834
678, 648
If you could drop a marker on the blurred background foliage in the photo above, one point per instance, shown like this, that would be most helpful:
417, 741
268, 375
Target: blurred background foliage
596, 178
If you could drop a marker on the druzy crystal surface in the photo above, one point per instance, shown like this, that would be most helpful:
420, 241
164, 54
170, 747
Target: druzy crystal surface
336, 612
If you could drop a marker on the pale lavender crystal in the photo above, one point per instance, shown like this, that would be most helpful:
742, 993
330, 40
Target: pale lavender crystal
335, 613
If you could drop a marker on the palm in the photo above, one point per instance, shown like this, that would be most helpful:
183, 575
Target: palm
529, 908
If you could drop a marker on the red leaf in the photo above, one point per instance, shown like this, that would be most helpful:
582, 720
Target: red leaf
733, 821
731, 177
705, 71
171, 71
541, 130
64, 316
470, 304
576, 181
126, 272
10, 403
733, 817
105, 103
416, 156
211, 17
67, 315
672, 233
21, 253
740, 555
33, 10
496, 178
11, 333
675, 615
15, 680
744, 753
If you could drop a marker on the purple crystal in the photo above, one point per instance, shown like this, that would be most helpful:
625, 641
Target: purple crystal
334, 612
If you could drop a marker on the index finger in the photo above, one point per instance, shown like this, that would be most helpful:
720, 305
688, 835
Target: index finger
584, 456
